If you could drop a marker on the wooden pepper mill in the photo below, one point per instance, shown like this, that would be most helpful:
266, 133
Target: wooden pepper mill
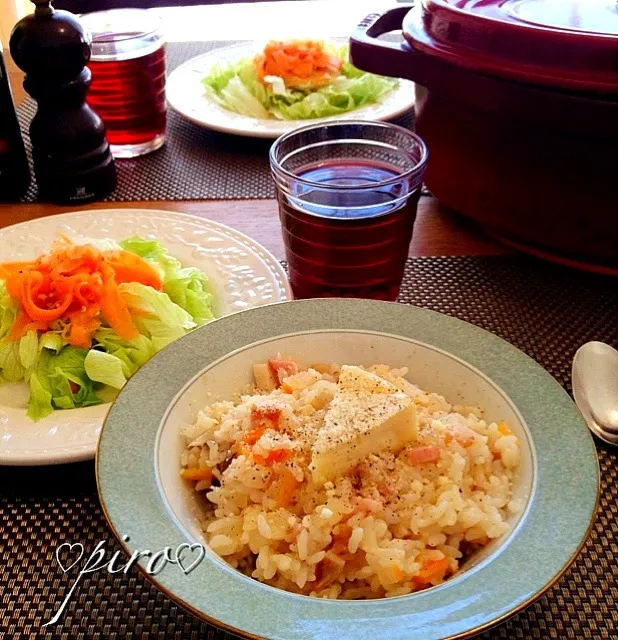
72, 158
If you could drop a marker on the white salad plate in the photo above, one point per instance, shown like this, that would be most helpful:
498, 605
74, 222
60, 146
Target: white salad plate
186, 95
242, 274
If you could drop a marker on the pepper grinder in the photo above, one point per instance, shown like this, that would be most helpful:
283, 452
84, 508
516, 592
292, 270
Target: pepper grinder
72, 158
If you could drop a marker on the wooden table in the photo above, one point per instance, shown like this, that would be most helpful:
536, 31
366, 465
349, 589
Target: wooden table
437, 231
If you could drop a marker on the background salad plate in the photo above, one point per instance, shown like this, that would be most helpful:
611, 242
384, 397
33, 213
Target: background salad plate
186, 95
241, 273
144, 497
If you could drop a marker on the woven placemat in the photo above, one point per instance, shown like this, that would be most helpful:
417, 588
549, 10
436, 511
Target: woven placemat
546, 311
194, 163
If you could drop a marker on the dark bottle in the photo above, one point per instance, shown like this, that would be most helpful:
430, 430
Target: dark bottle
14, 172
72, 158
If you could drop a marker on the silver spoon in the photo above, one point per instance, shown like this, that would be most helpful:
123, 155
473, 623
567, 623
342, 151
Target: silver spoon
595, 388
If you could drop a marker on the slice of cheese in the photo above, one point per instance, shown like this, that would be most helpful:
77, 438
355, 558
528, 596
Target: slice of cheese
357, 424
353, 378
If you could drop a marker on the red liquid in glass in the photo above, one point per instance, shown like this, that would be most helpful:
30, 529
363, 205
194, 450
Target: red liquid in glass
129, 96
346, 251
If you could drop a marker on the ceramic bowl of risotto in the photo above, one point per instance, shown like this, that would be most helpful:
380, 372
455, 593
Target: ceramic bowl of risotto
352, 469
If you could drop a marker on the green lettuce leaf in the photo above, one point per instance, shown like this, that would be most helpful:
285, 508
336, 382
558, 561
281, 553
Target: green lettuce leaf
10, 362
40, 402
342, 95
220, 75
237, 97
105, 368
51, 340
160, 333
12, 366
59, 381
164, 321
155, 303
29, 349
8, 310
133, 353
151, 250
186, 286
237, 88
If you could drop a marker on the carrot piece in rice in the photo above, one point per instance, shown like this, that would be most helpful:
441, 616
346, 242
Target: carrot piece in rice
432, 571
254, 435
503, 428
273, 456
398, 573
196, 473
341, 538
283, 490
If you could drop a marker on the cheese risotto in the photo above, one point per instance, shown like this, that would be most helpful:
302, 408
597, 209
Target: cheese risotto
348, 482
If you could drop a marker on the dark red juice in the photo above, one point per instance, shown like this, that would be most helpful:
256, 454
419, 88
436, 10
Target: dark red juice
129, 96
348, 242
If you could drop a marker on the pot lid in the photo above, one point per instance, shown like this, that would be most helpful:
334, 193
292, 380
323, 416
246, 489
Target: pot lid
570, 44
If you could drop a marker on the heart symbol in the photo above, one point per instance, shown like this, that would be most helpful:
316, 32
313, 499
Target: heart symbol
191, 547
71, 547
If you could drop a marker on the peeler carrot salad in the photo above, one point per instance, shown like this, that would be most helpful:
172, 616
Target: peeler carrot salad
85, 317
295, 80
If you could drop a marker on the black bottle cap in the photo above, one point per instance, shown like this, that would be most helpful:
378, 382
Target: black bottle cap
50, 44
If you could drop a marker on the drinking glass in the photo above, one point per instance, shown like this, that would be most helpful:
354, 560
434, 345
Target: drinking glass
128, 78
347, 194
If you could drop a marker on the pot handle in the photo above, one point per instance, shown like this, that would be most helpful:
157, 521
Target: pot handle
381, 56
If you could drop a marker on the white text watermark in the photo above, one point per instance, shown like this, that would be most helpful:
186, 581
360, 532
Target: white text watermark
185, 556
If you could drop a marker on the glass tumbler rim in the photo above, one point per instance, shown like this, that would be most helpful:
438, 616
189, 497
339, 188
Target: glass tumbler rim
155, 26
278, 168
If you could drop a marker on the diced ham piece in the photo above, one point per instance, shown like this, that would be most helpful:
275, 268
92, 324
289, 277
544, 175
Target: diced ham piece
463, 434
341, 538
265, 417
424, 455
328, 570
369, 504
283, 368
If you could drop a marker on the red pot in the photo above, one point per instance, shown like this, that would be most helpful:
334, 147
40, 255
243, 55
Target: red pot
520, 114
